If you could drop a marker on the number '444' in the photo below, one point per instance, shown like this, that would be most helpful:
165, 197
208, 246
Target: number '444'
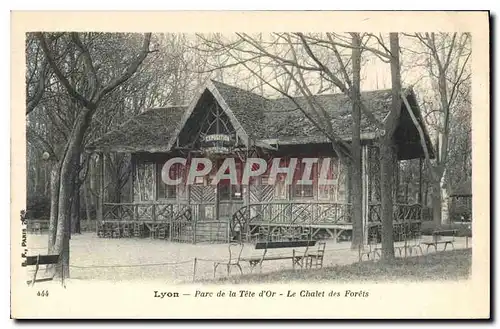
42, 293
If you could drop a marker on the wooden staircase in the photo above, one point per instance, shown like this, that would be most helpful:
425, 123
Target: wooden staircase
212, 231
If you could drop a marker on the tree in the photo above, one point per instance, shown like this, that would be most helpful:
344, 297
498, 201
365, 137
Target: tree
166, 77
388, 152
304, 60
357, 179
446, 59
87, 94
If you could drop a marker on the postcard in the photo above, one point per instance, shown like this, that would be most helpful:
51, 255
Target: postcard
225, 165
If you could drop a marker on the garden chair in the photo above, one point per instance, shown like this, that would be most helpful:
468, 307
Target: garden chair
401, 238
162, 233
276, 234
153, 232
137, 230
316, 257
235, 250
306, 234
415, 238
100, 230
107, 231
374, 248
116, 231
263, 233
126, 230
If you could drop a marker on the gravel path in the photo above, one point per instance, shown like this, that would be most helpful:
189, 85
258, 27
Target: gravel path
146, 259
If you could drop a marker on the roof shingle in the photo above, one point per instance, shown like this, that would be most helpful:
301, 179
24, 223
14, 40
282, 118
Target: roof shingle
149, 131
262, 119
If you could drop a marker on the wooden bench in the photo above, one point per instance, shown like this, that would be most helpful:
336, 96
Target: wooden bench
297, 259
40, 260
437, 239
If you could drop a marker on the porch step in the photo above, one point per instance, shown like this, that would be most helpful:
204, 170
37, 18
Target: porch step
202, 232
211, 231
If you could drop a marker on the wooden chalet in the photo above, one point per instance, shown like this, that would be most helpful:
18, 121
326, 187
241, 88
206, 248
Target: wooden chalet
256, 127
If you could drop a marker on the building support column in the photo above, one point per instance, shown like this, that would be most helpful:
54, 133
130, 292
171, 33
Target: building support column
366, 177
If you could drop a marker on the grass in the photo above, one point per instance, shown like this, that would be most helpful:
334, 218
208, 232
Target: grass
447, 265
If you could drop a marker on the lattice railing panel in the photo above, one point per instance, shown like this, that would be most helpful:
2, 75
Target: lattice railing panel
401, 212
145, 212
293, 214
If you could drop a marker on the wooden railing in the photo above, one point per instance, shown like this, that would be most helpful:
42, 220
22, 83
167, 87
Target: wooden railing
157, 212
291, 213
401, 212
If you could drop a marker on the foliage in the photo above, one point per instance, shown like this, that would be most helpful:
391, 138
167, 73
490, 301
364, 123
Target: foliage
38, 206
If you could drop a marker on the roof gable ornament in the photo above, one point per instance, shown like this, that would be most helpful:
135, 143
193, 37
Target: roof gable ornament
209, 85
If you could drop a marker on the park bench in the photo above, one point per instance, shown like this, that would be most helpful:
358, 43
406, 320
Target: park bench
297, 258
437, 238
304, 259
40, 260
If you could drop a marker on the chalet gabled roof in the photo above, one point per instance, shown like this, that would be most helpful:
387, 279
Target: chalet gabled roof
288, 124
148, 131
263, 120
248, 108
280, 118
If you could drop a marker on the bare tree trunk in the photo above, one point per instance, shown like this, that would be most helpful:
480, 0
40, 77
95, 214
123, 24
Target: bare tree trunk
444, 202
426, 195
67, 186
87, 201
46, 173
72, 152
54, 202
75, 212
93, 183
356, 181
388, 154
36, 176
386, 192
436, 203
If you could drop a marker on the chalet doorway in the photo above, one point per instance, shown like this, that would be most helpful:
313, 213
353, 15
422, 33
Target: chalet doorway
229, 200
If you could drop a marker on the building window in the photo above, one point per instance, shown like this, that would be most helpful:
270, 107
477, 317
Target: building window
329, 191
229, 192
302, 191
166, 191
236, 192
144, 179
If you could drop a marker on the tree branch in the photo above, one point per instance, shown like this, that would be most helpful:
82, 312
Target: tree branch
33, 101
340, 85
64, 81
128, 73
94, 80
